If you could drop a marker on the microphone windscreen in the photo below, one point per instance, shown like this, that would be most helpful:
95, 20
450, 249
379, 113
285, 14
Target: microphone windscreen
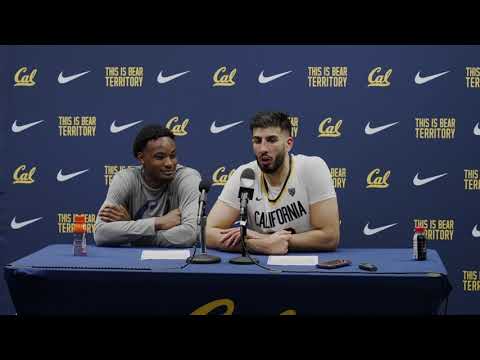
248, 174
204, 185
247, 178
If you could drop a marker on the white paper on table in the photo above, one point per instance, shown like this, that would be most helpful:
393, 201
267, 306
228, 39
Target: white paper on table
165, 254
292, 260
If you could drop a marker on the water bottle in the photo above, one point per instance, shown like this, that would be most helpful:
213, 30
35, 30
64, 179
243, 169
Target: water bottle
79, 236
419, 244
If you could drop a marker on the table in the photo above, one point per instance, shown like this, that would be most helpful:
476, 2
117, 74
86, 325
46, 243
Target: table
115, 281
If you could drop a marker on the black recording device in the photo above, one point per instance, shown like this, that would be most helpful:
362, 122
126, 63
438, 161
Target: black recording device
367, 267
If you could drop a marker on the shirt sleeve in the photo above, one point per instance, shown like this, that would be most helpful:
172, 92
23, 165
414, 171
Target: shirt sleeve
229, 194
121, 232
318, 180
184, 234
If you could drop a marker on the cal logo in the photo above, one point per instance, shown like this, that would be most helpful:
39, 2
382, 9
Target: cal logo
178, 129
376, 79
23, 78
21, 176
376, 181
223, 78
218, 178
206, 309
327, 130
228, 306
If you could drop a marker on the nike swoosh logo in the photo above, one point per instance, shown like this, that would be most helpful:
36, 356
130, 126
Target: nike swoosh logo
419, 182
370, 131
266, 79
165, 79
62, 178
476, 130
218, 129
475, 232
422, 80
18, 225
66, 79
116, 129
367, 231
19, 128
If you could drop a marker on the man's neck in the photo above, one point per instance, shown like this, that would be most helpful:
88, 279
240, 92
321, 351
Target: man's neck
150, 182
278, 177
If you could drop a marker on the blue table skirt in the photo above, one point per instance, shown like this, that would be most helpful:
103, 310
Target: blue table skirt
115, 281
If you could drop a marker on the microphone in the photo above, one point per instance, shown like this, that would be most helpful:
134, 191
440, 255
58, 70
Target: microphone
245, 193
247, 180
203, 187
203, 257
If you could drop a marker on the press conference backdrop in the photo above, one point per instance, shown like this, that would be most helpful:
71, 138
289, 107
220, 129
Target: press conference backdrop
397, 125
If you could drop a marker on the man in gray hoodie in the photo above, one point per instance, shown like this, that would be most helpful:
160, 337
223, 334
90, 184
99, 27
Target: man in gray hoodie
154, 204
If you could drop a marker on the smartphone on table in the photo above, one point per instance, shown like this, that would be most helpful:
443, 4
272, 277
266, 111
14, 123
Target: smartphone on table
333, 264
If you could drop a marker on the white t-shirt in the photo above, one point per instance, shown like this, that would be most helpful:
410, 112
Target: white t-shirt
309, 182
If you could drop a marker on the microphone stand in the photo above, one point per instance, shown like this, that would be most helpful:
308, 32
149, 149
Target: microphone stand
203, 257
244, 259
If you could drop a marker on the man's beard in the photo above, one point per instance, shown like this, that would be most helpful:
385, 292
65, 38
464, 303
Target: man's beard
274, 166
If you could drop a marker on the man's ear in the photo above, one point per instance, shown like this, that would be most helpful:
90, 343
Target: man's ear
290, 143
140, 157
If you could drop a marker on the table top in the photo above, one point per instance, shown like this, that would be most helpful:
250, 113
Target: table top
390, 262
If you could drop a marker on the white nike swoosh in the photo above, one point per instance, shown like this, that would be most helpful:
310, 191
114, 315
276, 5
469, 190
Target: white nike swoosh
476, 130
66, 79
422, 80
19, 128
18, 225
215, 130
165, 79
116, 129
367, 231
419, 182
475, 232
370, 131
266, 79
62, 178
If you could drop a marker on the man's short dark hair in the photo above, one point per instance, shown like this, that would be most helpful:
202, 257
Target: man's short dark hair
271, 119
147, 133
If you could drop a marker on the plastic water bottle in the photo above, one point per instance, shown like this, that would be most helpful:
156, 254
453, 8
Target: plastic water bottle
79, 236
419, 244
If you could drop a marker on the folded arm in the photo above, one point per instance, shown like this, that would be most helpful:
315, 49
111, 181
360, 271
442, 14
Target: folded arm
326, 233
220, 235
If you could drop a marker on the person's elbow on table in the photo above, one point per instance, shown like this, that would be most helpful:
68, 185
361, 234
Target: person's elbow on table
211, 241
333, 239
100, 236
186, 238
191, 237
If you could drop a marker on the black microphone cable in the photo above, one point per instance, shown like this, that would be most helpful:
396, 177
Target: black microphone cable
189, 259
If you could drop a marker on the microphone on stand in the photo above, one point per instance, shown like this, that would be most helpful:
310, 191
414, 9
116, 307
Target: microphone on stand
203, 187
203, 257
245, 193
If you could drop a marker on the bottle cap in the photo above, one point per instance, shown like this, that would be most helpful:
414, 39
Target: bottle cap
419, 229
79, 219
79, 228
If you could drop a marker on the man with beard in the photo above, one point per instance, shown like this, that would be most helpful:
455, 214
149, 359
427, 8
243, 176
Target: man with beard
154, 204
294, 205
